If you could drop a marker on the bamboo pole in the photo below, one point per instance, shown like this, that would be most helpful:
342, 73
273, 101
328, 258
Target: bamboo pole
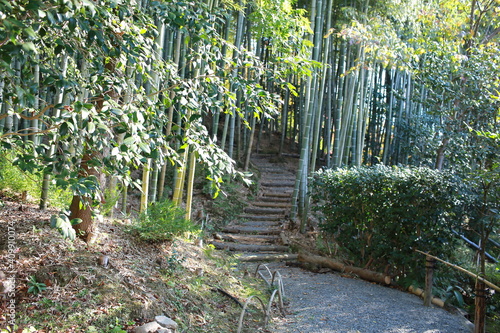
190, 184
145, 185
419, 292
463, 270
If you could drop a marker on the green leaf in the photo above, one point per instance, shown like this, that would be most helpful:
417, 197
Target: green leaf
91, 127
117, 112
145, 147
29, 47
72, 24
30, 32
129, 141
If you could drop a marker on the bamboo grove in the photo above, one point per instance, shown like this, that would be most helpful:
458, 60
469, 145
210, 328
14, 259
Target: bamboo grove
94, 92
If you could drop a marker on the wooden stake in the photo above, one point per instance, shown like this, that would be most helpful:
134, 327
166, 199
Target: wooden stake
429, 270
480, 308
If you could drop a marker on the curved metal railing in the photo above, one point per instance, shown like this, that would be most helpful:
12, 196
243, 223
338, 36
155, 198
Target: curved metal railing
274, 281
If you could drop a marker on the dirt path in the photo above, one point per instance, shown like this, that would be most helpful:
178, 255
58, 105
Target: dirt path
324, 303
330, 303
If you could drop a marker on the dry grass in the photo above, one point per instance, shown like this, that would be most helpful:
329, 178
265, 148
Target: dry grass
142, 280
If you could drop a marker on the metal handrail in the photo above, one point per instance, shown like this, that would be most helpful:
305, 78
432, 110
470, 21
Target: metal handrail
275, 277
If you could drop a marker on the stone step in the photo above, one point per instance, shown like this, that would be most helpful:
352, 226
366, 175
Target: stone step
260, 217
249, 247
264, 211
260, 156
260, 227
271, 204
263, 224
272, 181
251, 230
278, 184
286, 199
271, 169
250, 239
274, 194
282, 175
267, 256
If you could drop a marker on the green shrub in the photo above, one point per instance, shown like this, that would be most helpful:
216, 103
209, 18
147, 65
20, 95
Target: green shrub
161, 221
14, 181
381, 214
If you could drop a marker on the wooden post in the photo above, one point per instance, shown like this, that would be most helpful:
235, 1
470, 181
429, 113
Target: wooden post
480, 307
429, 270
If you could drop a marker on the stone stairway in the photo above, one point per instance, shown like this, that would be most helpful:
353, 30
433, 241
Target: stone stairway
258, 233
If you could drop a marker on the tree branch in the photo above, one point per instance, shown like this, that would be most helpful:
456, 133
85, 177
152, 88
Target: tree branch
20, 115
27, 134
491, 36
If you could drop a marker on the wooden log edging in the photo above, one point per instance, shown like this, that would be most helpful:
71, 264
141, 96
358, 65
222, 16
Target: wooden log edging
365, 274
419, 292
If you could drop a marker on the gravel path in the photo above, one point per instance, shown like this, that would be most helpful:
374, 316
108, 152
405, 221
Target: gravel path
329, 303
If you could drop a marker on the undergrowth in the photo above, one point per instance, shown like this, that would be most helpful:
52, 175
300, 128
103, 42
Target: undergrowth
161, 222
143, 279
18, 184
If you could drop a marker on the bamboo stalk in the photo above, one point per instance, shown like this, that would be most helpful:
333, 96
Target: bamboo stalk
145, 185
190, 184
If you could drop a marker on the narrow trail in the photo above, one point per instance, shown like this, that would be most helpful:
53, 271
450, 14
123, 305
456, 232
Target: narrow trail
258, 233
321, 303
331, 303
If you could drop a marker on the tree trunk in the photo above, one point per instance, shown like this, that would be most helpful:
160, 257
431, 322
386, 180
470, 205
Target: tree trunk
440, 154
83, 207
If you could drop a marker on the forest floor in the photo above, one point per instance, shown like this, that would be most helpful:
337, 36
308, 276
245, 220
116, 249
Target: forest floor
58, 285
61, 286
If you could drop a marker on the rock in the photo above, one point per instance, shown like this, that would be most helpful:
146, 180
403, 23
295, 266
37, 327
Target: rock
164, 330
199, 271
148, 328
166, 322
7, 286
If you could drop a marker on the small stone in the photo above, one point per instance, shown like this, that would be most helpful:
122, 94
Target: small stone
148, 328
166, 322
199, 271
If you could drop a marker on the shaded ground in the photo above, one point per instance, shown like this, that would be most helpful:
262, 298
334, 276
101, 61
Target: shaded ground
330, 303
181, 280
